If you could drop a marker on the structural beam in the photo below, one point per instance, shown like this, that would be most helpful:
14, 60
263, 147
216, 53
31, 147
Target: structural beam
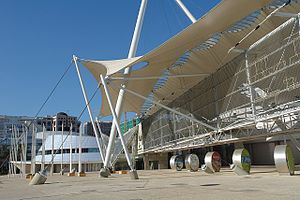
80, 150
119, 103
62, 151
186, 11
88, 107
43, 150
250, 87
157, 77
33, 149
71, 151
170, 109
285, 14
258, 26
116, 123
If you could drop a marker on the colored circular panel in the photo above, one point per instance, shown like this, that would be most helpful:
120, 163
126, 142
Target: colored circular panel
213, 161
246, 160
176, 162
242, 159
290, 160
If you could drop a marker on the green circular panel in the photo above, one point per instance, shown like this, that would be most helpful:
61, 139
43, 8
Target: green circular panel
290, 160
246, 160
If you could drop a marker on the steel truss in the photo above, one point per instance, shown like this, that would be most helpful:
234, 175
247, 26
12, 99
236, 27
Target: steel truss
258, 98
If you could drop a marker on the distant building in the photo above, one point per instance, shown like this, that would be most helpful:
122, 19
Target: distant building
7, 123
105, 128
56, 122
61, 119
51, 123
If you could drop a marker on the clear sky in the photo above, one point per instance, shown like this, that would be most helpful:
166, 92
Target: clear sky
39, 37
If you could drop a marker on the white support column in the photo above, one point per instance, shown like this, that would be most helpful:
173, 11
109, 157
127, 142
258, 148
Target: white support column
52, 152
88, 107
71, 149
80, 149
115, 122
131, 54
186, 11
25, 153
43, 150
14, 149
62, 150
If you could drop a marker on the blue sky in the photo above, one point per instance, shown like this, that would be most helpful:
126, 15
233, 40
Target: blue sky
38, 39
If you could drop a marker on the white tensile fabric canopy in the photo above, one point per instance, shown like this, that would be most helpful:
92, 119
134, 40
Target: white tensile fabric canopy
201, 48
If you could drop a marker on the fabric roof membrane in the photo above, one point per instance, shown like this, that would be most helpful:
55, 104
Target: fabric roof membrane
200, 48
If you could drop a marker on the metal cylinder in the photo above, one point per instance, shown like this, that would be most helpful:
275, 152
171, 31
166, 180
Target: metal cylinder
242, 159
212, 161
192, 162
284, 160
176, 162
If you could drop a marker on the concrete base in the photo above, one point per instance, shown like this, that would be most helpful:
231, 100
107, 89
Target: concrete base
239, 171
104, 172
206, 169
38, 179
81, 174
133, 174
29, 176
160, 184
122, 172
71, 174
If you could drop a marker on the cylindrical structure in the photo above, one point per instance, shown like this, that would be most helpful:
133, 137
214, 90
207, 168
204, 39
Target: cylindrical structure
242, 159
38, 179
212, 161
284, 159
192, 162
176, 162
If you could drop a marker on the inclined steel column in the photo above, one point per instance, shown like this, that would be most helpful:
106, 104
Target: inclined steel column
33, 149
88, 107
250, 87
119, 103
186, 11
116, 123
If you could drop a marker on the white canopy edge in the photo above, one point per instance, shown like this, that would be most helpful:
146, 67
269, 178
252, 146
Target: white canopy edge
217, 20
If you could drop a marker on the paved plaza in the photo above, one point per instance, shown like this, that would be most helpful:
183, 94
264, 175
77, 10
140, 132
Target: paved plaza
263, 183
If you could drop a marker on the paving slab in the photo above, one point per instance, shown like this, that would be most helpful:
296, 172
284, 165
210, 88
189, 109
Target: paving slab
263, 183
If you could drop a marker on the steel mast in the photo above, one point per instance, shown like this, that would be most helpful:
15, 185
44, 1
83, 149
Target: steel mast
119, 103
